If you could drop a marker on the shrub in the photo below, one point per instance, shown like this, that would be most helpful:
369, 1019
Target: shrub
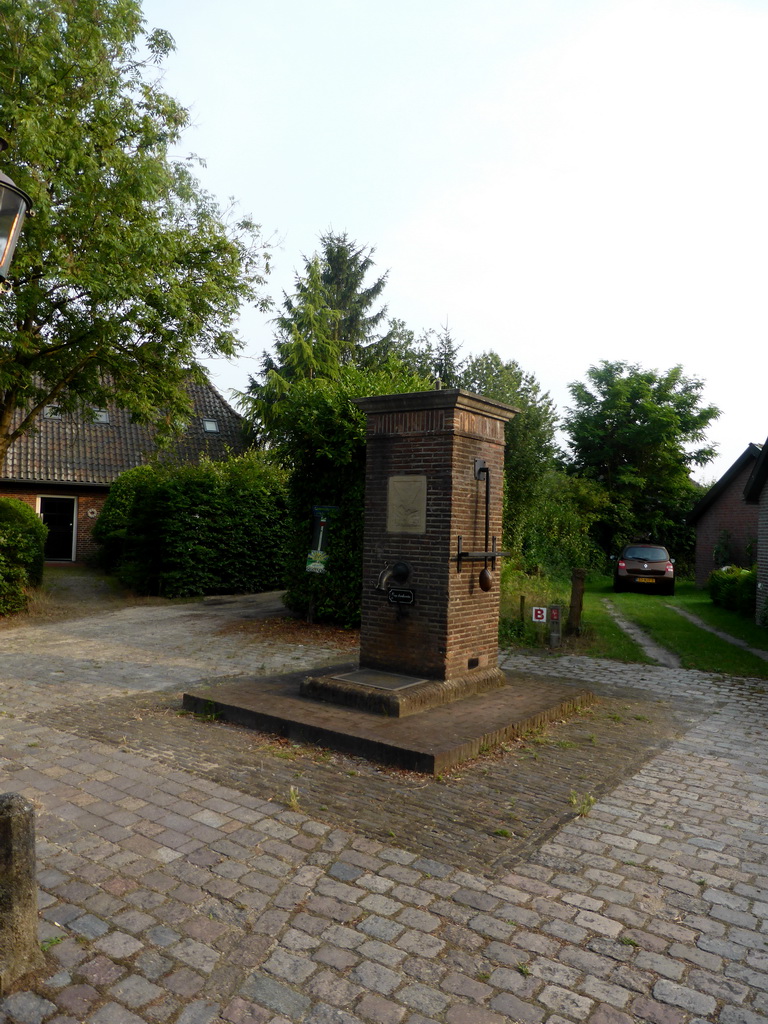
734, 588
13, 581
110, 528
191, 530
22, 553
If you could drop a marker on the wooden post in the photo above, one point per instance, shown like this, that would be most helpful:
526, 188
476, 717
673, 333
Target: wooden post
578, 580
19, 948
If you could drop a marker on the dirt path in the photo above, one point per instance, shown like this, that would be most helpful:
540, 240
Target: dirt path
659, 654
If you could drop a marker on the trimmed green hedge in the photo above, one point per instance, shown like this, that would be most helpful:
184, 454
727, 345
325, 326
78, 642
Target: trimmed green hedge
186, 531
734, 588
22, 553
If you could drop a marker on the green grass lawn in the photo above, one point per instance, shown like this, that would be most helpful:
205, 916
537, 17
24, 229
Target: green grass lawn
654, 613
696, 648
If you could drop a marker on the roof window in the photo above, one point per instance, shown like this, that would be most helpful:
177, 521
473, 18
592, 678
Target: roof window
211, 426
101, 415
52, 412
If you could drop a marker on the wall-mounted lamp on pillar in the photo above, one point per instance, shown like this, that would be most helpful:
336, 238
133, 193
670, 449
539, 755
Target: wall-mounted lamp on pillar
15, 205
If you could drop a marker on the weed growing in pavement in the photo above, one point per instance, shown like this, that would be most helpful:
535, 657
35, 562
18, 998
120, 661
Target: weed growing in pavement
293, 799
47, 944
503, 832
524, 969
583, 804
625, 940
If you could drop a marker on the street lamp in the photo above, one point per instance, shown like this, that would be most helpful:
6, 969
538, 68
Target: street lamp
14, 206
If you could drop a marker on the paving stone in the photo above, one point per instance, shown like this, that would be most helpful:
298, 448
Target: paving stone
239, 1011
291, 967
680, 995
118, 945
328, 987
135, 991
423, 998
26, 1008
517, 1009
275, 996
383, 1011
199, 1012
77, 999
113, 1013
376, 977
562, 1000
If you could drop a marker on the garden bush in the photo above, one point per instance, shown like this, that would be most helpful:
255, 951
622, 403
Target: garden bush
186, 531
734, 588
22, 553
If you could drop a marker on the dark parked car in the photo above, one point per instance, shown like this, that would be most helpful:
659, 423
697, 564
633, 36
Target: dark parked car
644, 567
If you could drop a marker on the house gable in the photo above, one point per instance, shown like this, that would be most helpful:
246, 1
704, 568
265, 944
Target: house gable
726, 524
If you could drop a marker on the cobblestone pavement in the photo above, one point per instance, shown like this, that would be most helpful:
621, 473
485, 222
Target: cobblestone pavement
167, 895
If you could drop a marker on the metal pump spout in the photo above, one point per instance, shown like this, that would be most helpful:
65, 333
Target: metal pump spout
398, 571
384, 577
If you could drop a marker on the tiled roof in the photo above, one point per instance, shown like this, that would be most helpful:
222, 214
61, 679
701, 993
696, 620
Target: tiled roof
72, 450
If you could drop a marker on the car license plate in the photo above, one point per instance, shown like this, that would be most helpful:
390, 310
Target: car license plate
645, 579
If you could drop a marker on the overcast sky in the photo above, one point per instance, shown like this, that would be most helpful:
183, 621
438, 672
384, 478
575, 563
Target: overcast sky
561, 181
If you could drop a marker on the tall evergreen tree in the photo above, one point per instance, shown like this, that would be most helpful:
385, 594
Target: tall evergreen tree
344, 267
334, 279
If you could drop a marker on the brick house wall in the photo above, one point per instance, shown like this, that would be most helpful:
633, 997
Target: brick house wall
761, 613
728, 513
724, 518
88, 505
756, 494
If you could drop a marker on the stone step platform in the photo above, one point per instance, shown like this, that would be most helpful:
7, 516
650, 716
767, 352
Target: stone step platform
430, 741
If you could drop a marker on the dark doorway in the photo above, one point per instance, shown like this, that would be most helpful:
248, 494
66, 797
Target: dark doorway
58, 514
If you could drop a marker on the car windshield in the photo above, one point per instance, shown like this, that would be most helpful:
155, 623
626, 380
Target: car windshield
647, 554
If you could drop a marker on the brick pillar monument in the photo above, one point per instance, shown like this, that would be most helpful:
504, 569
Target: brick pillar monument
433, 505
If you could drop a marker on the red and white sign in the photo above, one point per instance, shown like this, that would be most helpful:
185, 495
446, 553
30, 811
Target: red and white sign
539, 614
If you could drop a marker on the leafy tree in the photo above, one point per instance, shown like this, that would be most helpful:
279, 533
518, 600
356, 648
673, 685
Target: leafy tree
638, 432
530, 449
128, 272
555, 536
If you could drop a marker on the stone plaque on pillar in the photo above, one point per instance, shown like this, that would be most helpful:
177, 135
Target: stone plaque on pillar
431, 522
